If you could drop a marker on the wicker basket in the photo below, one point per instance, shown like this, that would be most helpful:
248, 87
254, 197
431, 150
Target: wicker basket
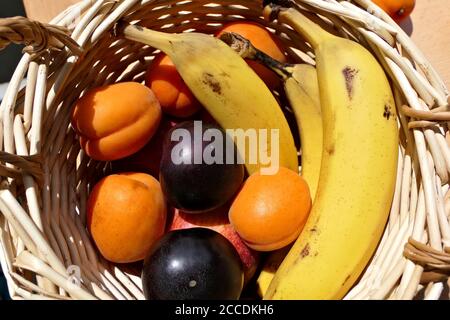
46, 178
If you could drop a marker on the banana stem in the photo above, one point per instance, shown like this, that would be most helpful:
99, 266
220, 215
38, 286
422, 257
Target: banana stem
156, 39
247, 50
312, 32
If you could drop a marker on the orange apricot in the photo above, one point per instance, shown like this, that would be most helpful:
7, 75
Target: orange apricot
148, 159
270, 211
397, 9
126, 215
117, 120
174, 95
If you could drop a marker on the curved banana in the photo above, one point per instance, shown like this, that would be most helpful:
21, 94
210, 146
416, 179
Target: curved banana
358, 172
226, 86
302, 90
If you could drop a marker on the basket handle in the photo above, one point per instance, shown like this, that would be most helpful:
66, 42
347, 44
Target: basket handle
35, 35
23, 165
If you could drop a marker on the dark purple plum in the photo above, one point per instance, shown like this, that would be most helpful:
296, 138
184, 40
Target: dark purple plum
193, 264
195, 176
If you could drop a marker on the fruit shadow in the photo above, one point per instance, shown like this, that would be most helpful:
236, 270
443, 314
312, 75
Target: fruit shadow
407, 26
88, 114
214, 218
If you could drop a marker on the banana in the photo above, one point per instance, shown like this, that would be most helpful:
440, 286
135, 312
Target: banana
226, 86
303, 93
302, 90
358, 170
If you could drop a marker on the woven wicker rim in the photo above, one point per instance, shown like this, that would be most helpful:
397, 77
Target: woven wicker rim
46, 176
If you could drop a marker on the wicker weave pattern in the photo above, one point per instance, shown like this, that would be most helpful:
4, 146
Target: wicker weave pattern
37, 36
47, 178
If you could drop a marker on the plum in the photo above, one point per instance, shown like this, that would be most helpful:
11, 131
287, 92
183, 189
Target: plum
196, 173
193, 264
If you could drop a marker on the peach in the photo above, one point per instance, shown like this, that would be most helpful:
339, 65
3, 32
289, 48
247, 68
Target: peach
174, 95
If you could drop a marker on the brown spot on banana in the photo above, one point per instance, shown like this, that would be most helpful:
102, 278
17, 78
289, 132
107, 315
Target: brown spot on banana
349, 76
388, 112
305, 251
330, 150
212, 82
346, 279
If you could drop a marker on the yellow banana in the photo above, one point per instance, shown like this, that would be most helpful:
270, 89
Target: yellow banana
226, 86
357, 176
302, 90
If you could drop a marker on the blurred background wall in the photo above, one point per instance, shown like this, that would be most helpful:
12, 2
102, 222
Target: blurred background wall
11, 55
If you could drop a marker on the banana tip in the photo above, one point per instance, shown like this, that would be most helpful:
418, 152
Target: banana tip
283, 3
271, 11
118, 28
121, 25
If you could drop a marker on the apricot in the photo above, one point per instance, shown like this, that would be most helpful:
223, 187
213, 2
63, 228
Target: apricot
174, 95
117, 120
126, 215
148, 159
270, 211
397, 9
262, 39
